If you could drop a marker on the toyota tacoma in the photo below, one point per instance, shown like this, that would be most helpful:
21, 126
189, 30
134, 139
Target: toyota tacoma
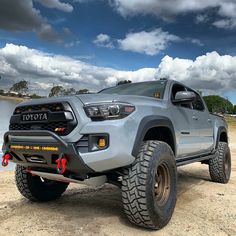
131, 135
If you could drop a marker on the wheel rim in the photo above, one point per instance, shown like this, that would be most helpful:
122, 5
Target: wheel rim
162, 184
227, 165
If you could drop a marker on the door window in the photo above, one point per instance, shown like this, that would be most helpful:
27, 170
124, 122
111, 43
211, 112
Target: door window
198, 103
179, 88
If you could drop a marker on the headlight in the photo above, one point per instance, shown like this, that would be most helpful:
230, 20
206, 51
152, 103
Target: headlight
109, 111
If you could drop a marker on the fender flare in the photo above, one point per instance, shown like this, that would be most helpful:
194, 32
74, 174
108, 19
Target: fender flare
221, 129
147, 123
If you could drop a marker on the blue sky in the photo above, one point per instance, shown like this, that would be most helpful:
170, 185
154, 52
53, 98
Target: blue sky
119, 38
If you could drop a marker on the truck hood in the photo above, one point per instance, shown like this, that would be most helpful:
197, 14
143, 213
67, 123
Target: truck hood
103, 98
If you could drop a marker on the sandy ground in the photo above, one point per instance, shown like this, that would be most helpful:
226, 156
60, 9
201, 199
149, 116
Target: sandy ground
203, 208
12, 98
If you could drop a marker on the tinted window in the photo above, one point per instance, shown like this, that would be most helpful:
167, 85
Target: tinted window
175, 89
149, 89
198, 104
179, 88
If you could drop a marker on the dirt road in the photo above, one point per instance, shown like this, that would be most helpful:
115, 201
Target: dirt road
203, 208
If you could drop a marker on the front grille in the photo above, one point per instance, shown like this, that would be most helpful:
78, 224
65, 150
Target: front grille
55, 109
46, 126
41, 107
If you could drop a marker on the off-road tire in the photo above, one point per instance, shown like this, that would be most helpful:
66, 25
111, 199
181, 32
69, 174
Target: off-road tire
139, 197
220, 164
37, 189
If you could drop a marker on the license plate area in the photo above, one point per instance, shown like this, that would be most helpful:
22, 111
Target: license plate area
35, 159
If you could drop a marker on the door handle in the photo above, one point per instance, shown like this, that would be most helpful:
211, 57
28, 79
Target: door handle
195, 118
209, 120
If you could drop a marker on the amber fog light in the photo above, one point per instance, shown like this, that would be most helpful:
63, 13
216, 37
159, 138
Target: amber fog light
98, 142
102, 142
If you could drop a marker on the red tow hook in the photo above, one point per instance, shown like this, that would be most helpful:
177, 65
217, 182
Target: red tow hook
5, 159
61, 164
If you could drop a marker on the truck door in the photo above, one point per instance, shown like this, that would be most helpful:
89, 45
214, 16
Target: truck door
204, 124
186, 127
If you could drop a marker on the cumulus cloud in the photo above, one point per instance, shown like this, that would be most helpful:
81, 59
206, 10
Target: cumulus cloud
23, 16
103, 40
56, 4
170, 8
150, 43
39, 68
145, 42
209, 72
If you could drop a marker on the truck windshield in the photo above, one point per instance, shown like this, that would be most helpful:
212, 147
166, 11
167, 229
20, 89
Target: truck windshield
149, 89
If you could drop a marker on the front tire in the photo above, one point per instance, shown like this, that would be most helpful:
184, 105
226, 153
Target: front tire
220, 164
36, 188
149, 187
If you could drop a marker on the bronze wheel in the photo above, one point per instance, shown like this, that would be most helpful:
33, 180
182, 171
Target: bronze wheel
162, 185
149, 186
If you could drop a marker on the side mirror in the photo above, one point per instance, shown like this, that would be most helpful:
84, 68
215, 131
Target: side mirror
184, 97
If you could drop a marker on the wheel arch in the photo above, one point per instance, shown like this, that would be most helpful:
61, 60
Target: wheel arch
222, 135
151, 124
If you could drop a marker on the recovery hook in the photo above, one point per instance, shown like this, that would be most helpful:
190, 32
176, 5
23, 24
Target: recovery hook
61, 164
5, 159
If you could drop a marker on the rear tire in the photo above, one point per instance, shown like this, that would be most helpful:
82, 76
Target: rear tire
220, 164
36, 188
149, 187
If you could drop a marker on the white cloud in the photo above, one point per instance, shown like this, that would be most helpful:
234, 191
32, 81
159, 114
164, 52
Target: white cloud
211, 71
170, 8
225, 23
145, 42
150, 43
103, 40
56, 4
37, 67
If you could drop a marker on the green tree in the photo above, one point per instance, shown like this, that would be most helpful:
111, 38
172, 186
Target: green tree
218, 104
82, 91
234, 111
124, 82
20, 87
57, 91
35, 96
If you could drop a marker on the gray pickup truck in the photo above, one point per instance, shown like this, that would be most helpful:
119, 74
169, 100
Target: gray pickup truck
132, 135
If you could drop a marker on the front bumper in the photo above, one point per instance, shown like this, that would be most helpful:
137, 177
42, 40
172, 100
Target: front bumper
27, 148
